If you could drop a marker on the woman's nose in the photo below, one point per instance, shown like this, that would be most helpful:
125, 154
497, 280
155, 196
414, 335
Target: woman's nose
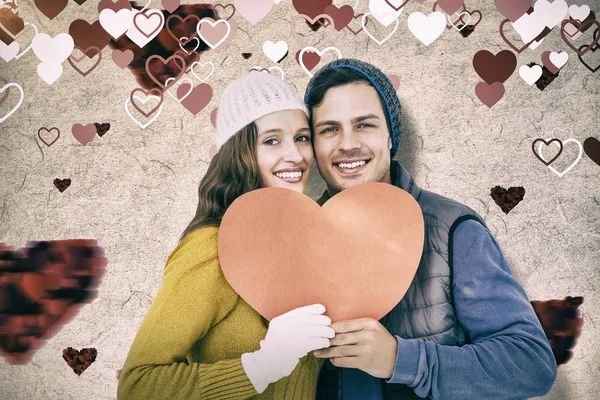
292, 153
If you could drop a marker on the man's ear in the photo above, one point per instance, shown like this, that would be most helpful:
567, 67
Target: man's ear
390, 143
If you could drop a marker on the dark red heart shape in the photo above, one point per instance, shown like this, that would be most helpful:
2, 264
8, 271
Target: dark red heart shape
101, 129
562, 323
507, 199
246, 55
79, 360
42, 287
62, 184
591, 146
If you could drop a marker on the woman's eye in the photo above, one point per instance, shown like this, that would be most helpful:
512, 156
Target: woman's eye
270, 142
303, 138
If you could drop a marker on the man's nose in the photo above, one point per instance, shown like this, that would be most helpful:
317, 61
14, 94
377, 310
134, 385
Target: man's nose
349, 140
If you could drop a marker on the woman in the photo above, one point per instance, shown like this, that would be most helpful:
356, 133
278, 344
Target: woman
200, 340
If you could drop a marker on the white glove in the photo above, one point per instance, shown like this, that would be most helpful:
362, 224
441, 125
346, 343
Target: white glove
289, 338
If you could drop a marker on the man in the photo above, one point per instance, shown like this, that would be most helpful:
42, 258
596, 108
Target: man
465, 328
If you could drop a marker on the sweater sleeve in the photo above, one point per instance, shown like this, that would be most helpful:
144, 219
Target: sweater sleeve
509, 358
192, 298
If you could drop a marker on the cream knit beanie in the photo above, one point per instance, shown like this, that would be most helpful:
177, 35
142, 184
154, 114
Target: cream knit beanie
250, 97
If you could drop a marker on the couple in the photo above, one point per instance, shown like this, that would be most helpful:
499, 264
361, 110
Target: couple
464, 330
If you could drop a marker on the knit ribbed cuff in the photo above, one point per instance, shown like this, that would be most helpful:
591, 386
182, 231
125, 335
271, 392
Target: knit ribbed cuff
232, 378
407, 361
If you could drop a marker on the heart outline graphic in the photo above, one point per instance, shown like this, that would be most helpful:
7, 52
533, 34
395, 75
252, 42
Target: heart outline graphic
165, 62
143, 126
261, 69
182, 20
320, 53
21, 98
26, 50
363, 24
48, 130
93, 67
208, 21
312, 22
148, 16
519, 51
180, 81
561, 174
146, 92
202, 65
580, 25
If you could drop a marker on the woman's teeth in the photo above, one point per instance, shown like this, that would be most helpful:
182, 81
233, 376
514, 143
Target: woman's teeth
352, 165
288, 175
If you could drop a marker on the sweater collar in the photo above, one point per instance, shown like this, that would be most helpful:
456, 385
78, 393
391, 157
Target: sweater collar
400, 178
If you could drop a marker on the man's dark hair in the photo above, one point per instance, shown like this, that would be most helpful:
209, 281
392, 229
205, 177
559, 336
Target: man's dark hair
333, 77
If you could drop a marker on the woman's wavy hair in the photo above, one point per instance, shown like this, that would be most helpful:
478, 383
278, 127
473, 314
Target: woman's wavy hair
232, 172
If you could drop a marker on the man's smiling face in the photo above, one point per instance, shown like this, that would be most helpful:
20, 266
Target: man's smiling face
351, 138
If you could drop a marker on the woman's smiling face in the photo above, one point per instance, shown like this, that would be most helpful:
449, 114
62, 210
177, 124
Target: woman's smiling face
284, 149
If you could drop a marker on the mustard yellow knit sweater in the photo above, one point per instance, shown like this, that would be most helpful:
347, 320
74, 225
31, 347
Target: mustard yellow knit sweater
190, 343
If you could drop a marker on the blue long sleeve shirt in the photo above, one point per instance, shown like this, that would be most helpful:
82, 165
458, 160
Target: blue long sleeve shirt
509, 358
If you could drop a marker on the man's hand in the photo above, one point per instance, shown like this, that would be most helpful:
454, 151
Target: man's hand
364, 344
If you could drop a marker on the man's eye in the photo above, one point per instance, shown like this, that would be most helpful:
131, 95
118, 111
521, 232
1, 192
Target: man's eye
365, 125
327, 130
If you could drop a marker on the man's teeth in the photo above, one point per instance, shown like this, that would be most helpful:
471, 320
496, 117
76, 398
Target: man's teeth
288, 175
352, 165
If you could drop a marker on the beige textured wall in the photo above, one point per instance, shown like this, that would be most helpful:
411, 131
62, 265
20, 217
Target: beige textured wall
134, 190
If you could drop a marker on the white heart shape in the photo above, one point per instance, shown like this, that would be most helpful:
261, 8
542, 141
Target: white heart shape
325, 50
383, 12
49, 72
185, 38
8, 52
270, 69
202, 65
26, 50
275, 51
144, 126
530, 74
15, 108
529, 26
460, 16
579, 12
213, 24
559, 59
116, 23
427, 28
136, 36
561, 174
53, 50
552, 13
379, 42
180, 81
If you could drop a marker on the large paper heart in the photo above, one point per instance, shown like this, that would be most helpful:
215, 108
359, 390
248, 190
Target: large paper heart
42, 288
356, 255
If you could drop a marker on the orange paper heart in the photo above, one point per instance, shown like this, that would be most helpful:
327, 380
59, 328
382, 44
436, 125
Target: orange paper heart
357, 255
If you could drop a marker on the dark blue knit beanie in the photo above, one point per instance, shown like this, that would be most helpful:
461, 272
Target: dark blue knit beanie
381, 83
